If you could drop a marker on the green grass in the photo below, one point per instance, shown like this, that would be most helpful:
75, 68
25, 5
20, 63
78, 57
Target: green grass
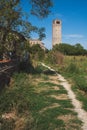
48, 121
34, 107
76, 72
79, 86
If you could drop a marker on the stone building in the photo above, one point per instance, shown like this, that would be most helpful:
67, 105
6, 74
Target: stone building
37, 41
56, 32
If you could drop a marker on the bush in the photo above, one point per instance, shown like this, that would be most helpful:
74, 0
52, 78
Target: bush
55, 57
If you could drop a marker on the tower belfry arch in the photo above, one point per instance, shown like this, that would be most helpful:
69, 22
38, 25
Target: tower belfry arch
56, 32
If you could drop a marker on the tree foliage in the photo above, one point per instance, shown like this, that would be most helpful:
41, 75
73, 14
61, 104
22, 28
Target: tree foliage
68, 49
37, 52
41, 8
13, 20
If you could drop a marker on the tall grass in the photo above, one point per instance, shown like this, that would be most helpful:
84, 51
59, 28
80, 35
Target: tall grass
33, 109
72, 68
75, 69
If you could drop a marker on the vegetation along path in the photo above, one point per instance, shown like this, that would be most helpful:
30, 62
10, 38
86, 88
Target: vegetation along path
82, 114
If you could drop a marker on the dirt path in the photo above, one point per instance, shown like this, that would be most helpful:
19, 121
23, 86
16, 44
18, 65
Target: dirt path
82, 114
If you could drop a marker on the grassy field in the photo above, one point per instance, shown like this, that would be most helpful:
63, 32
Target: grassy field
74, 68
36, 102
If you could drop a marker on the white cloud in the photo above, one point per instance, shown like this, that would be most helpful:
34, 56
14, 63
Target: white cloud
67, 36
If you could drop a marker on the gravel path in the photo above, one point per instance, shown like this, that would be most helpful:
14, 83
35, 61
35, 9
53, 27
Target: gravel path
82, 114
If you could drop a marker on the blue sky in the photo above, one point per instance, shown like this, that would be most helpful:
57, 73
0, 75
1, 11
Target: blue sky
73, 14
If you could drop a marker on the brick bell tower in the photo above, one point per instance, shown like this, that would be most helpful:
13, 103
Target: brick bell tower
56, 32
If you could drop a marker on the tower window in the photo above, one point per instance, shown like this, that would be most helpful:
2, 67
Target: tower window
57, 22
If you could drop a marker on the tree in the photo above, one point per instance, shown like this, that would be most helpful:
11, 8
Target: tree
79, 49
37, 52
41, 8
41, 34
12, 22
68, 49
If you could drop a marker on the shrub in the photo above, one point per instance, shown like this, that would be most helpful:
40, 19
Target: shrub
59, 57
55, 57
